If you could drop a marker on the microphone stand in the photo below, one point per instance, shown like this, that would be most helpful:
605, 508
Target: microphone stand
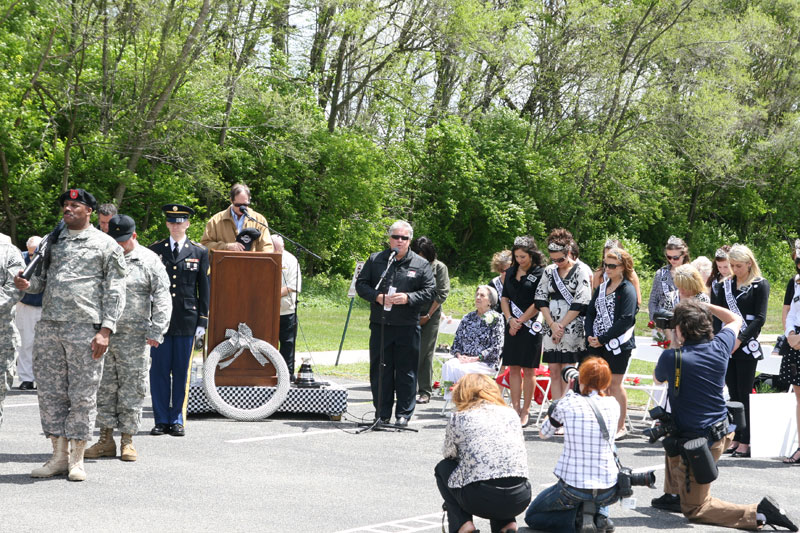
378, 424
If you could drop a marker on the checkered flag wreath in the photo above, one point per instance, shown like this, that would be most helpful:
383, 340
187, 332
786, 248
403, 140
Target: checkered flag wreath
226, 353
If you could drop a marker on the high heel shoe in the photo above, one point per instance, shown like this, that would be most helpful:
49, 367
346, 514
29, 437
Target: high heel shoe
792, 459
732, 448
741, 454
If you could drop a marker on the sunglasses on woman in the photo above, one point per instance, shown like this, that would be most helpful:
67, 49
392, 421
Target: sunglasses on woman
611, 266
674, 257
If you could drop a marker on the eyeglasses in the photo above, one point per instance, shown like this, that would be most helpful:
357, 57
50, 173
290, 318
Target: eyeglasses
674, 257
611, 266
239, 206
559, 260
400, 237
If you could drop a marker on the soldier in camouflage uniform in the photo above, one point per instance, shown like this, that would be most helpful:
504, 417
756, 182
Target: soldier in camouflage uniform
10, 264
148, 306
84, 294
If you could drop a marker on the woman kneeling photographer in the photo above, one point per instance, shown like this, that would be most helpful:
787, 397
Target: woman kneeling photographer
587, 470
485, 470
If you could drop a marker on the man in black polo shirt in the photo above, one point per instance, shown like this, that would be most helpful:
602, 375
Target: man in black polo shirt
408, 286
699, 410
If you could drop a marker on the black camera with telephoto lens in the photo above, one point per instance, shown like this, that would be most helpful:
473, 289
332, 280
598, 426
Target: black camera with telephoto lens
664, 424
664, 319
570, 372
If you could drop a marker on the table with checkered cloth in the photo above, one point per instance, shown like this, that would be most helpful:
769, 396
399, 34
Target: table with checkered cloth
330, 400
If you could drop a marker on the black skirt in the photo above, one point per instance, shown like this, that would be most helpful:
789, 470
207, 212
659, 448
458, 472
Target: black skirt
790, 367
522, 349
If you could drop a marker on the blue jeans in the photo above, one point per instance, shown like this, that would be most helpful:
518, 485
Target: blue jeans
556, 507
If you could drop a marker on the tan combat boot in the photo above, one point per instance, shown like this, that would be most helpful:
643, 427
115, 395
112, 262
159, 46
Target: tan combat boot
58, 464
127, 452
104, 447
76, 451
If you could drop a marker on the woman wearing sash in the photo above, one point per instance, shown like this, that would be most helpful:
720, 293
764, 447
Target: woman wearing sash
664, 295
689, 283
747, 295
562, 297
790, 364
599, 275
500, 262
610, 319
522, 346
720, 268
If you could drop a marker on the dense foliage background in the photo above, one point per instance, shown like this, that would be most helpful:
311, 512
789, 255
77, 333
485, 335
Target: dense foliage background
476, 120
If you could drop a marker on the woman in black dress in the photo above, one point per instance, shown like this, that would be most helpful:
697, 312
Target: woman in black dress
790, 364
610, 319
747, 295
522, 347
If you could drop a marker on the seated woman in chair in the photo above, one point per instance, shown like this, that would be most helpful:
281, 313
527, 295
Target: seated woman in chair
478, 342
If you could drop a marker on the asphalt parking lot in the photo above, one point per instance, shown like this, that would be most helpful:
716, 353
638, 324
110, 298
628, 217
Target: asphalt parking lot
300, 473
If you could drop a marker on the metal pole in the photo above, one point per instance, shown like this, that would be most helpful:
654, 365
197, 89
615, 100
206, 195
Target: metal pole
346, 322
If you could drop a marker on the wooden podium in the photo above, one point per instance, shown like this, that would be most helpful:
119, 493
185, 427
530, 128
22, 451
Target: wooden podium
245, 287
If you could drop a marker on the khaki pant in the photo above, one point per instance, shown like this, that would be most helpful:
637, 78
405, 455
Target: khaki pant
696, 501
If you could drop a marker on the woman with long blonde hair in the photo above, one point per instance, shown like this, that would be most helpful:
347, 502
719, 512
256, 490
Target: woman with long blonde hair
747, 295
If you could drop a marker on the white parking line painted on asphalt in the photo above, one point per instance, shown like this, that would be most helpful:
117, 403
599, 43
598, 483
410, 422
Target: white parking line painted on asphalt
21, 404
283, 436
406, 525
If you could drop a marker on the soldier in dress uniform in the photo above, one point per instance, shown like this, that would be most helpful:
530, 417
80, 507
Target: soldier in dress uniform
143, 323
187, 269
10, 264
84, 295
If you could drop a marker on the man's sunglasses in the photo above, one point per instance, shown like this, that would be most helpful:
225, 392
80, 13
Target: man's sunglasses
401, 237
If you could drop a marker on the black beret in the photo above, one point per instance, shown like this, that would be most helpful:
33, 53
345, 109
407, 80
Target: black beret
247, 236
121, 227
177, 212
78, 195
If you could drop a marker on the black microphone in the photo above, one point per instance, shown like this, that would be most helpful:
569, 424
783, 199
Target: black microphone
395, 251
243, 209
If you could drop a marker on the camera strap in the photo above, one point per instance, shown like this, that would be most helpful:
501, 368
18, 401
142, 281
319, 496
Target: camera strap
678, 359
604, 430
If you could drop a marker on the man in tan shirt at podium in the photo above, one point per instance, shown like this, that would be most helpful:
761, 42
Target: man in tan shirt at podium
222, 229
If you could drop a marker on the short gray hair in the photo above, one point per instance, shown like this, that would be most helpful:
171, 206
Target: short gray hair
33, 241
401, 224
492, 293
239, 188
277, 242
107, 209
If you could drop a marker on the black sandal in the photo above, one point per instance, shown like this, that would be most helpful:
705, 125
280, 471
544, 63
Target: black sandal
792, 460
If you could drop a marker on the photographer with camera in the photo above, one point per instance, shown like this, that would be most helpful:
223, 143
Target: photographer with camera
698, 431
588, 469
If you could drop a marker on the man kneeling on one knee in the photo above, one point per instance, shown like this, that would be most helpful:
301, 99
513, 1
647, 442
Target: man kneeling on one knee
695, 374
143, 323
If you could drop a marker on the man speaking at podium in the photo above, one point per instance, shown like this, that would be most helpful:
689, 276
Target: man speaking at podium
408, 285
223, 228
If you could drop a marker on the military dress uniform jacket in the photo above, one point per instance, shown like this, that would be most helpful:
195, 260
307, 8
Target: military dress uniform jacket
85, 282
221, 230
188, 285
412, 275
148, 303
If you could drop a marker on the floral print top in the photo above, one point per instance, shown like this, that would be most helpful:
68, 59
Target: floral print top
480, 336
488, 443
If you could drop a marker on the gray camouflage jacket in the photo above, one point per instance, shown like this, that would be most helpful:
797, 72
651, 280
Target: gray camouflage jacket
10, 264
148, 304
85, 282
